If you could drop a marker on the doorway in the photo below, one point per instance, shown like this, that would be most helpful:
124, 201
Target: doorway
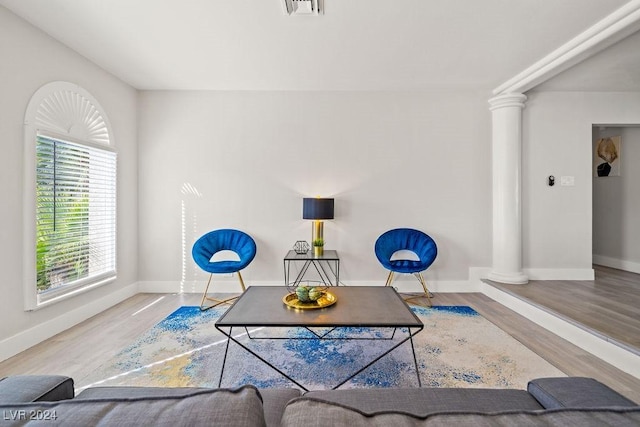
616, 196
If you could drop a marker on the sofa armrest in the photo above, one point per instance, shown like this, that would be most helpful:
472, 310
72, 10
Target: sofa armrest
35, 388
575, 392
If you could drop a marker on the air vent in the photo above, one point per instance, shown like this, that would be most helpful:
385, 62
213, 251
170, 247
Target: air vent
303, 7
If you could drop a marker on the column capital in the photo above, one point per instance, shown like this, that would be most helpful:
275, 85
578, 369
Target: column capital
507, 100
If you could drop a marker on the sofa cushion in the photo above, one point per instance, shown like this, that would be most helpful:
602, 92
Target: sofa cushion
219, 407
34, 388
273, 400
575, 392
310, 412
424, 401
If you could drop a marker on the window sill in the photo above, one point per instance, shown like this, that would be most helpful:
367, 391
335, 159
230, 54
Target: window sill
70, 293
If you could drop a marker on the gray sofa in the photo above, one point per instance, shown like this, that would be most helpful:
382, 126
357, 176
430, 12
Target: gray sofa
50, 400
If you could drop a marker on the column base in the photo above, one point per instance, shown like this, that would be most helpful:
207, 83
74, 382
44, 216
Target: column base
517, 278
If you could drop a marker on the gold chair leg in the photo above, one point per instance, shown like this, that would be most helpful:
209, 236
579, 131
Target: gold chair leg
424, 288
389, 279
241, 282
216, 300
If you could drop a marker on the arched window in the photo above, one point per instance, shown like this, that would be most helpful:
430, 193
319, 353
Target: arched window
70, 195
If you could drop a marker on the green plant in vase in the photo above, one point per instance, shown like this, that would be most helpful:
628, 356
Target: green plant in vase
318, 247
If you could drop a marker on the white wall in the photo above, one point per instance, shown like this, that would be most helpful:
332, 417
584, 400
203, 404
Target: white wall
390, 159
557, 221
28, 59
616, 205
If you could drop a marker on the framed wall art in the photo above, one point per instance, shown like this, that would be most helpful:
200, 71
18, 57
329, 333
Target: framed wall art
606, 156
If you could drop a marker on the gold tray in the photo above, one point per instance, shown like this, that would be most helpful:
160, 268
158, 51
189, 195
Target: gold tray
325, 300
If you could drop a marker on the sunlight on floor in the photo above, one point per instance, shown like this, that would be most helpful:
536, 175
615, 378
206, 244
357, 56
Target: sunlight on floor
147, 306
168, 359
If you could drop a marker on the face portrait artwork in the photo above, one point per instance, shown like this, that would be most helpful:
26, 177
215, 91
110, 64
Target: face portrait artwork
607, 157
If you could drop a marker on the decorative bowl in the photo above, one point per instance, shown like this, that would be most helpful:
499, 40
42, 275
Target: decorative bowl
327, 299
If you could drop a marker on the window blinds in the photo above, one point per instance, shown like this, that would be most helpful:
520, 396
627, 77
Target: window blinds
75, 214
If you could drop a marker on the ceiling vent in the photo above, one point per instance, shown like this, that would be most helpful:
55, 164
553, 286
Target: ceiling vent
303, 7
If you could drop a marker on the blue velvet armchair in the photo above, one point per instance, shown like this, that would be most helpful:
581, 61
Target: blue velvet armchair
223, 240
405, 250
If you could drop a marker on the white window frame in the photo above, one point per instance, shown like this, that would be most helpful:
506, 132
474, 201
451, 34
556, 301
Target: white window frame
67, 112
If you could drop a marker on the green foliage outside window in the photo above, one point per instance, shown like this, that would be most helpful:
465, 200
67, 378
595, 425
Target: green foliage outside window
62, 247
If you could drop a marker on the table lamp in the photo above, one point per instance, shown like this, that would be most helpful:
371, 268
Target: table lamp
317, 209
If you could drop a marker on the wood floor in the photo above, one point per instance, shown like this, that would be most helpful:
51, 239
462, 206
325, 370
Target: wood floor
83, 348
608, 306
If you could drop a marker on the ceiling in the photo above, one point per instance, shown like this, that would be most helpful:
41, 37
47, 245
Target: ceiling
354, 45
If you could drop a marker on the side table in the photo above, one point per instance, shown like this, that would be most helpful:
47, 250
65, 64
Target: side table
327, 266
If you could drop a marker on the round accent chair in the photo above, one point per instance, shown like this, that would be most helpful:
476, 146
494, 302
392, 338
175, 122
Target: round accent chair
405, 250
214, 242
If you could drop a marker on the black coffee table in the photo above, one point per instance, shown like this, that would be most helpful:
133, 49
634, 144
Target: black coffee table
357, 306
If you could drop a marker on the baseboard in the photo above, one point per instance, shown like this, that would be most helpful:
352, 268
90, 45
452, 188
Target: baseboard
221, 285
402, 284
599, 346
437, 286
560, 273
620, 264
478, 273
15, 344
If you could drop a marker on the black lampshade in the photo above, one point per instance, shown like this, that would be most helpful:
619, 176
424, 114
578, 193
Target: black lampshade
316, 208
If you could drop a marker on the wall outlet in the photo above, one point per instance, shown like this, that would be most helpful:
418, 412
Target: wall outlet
567, 181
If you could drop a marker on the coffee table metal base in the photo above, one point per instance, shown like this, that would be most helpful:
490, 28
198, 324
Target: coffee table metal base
411, 332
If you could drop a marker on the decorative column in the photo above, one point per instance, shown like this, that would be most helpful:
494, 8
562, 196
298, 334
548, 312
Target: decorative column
506, 111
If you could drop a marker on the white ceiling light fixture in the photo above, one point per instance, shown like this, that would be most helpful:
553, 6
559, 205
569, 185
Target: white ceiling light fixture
303, 7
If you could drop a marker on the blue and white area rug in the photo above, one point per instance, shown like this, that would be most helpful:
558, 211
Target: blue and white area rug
456, 348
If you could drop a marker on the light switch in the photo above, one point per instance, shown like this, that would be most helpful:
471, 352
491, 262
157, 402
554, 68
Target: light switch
567, 181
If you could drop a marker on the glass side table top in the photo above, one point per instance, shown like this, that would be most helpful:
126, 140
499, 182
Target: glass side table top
328, 255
